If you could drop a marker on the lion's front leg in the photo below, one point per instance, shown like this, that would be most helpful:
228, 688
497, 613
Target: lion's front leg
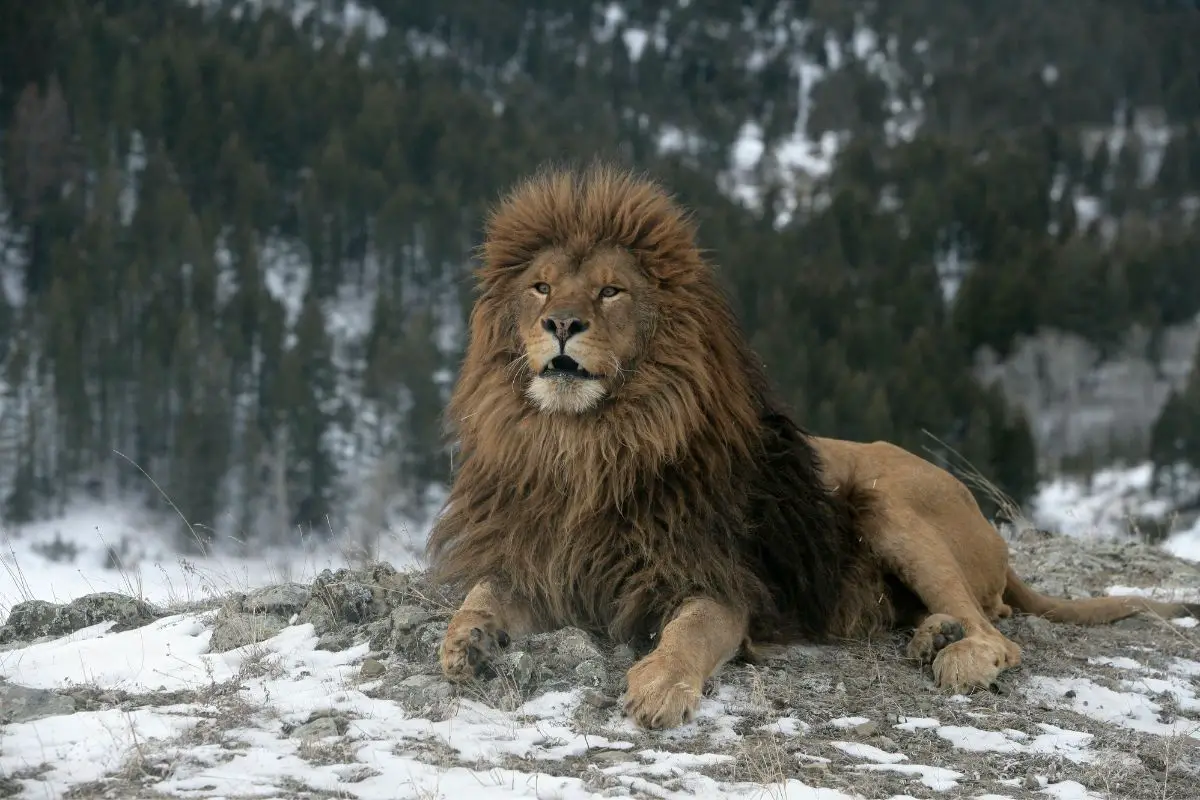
486, 622
665, 686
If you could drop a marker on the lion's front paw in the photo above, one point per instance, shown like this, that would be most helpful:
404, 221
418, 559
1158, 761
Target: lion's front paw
471, 642
974, 663
661, 693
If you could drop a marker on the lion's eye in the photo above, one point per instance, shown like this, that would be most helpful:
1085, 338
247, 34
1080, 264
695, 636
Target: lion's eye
542, 288
609, 291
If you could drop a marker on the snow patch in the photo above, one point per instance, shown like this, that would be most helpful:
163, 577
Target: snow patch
59, 559
869, 752
1131, 709
939, 779
1104, 507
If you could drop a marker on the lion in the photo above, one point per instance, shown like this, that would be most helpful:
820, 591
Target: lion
625, 468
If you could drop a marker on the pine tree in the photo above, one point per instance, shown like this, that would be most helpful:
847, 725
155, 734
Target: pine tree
1126, 180
307, 381
1171, 441
1098, 176
201, 426
383, 169
1175, 437
423, 423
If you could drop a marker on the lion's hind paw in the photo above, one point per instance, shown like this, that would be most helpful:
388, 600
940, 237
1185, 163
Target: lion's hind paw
934, 635
974, 663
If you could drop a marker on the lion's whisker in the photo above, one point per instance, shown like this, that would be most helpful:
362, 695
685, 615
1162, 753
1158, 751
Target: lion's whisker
514, 367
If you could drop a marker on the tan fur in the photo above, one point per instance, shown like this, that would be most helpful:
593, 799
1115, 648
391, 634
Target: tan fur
663, 491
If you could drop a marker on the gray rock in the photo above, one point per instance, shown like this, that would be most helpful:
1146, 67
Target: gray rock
335, 641
319, 728
372, 668
623, 656
429, 638
234, 629
35, 619
30, 620
127, 612
886, 743
379, 635
591, 672
564, 650
1033, 629
22, 704
417, 690
283, 600
320, 617
405, 628
406, 619
867, 729
519, 665
343, 597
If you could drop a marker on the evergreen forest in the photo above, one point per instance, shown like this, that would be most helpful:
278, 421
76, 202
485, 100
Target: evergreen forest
236, 239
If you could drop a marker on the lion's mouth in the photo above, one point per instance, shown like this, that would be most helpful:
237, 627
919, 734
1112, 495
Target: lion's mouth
567, 368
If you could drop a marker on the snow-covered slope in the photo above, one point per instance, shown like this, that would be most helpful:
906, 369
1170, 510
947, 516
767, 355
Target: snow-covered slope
330, 688
111, 548
1110, 506
340, 697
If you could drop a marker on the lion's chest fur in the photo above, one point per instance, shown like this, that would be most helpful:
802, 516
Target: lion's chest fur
613, 559
614, 544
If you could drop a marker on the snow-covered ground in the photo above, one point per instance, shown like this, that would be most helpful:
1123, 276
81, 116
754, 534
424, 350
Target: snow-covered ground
157, 712
285, 683
61, 559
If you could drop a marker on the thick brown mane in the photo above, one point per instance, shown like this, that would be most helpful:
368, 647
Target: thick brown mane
687, 479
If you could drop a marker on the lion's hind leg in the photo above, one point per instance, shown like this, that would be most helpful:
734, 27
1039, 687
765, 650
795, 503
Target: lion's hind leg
917, 554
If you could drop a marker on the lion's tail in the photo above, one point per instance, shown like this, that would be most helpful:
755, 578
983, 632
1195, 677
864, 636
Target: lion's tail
1089, 610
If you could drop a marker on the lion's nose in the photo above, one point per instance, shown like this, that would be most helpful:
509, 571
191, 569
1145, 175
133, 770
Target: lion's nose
563, 326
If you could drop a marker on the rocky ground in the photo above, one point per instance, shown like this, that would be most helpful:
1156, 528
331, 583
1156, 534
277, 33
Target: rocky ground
331, 689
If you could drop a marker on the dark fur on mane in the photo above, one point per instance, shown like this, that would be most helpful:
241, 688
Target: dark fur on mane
688, 480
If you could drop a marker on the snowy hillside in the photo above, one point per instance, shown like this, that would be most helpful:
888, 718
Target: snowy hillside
1110, 507
330, 689
277, 677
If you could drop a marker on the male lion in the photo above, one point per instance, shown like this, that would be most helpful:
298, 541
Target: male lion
625, 469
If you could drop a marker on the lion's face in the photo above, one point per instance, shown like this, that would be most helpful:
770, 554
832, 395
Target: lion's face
583, 323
